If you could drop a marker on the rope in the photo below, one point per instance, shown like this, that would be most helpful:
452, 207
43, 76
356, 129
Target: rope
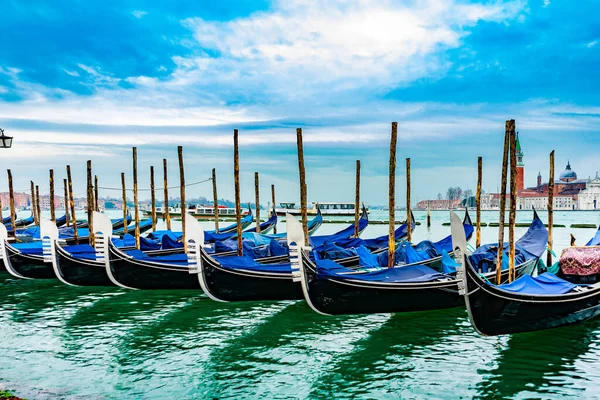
157, 189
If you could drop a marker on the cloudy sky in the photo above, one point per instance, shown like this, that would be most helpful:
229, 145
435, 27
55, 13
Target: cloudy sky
86, 80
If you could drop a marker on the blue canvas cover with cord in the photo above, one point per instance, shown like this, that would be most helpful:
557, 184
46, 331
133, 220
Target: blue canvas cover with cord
169, 243
265, 225
126, 241
419, 273
373, 244
545, 284
448, 264
82, 251
179, 259
343, 234
247, 219
530, 246
317, 220
160, 234
248, 263
595, 241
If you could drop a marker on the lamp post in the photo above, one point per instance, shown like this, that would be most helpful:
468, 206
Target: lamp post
5, 141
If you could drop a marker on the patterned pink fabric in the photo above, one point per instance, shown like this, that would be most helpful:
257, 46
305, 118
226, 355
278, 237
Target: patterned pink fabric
580, 261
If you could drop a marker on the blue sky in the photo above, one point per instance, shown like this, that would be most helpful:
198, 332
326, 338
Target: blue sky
86, 80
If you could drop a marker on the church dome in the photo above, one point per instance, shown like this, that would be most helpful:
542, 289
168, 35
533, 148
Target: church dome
568, 174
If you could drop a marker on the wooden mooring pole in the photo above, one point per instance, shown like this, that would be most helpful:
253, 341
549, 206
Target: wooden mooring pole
135, 200
38, 208
152, 199
67, 213
357, 200
11, 201
513, 202
274, 206
182, 194
392, 196
478, 203
90, 203
72, 204
502, 205
32, 204
96, 202
124, 199
408, 212
550, 208
302, 172
215, 199
428, 215
236, 184
52, 210
257, 201
166, 214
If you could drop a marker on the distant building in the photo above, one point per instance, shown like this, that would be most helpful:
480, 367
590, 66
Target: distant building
439, 204
589, 198
22, 200
566, 192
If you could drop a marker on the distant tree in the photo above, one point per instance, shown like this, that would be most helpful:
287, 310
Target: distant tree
467, 194
457, 193
440, 197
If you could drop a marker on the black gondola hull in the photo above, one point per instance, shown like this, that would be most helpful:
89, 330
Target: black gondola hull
30, 266
138, 274
496, 312
344, 296
228, 285
81, 272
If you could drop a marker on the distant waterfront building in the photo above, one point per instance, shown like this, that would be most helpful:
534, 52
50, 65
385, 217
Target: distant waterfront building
566, 192
22, 200
439, 204
589, 198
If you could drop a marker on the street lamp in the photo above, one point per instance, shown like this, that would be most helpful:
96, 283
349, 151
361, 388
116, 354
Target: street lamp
5, 141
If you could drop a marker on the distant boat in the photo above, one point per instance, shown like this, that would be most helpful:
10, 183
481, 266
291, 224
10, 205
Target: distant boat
197, 211
327, 209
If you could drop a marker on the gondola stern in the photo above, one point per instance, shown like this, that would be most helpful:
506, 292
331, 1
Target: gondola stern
296, 243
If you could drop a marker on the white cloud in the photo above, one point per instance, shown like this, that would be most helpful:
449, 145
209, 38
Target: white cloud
546, 3
592, 44
139, 14
347, 42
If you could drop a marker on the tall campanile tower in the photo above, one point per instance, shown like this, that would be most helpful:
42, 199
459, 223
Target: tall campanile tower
520, 166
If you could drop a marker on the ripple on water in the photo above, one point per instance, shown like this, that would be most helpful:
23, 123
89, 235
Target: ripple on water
153, 344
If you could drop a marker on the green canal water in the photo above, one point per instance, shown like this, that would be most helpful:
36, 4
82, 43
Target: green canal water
104, 343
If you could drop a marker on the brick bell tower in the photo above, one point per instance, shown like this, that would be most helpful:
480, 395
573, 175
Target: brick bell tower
520, 166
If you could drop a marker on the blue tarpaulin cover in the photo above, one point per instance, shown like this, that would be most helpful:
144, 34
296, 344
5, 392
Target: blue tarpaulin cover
448, 264
595, 241
179, 259
413, 274
545, 284
248, 263
343, 234
30, 248
530, 246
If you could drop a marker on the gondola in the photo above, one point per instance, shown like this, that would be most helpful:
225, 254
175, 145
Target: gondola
135, 269
26, 260
239, 278
530, 303
265, 227
20, 223
332, 289
267, 249
246, 221
246, 279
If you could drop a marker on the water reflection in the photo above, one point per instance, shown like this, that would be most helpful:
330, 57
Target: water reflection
540, 363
